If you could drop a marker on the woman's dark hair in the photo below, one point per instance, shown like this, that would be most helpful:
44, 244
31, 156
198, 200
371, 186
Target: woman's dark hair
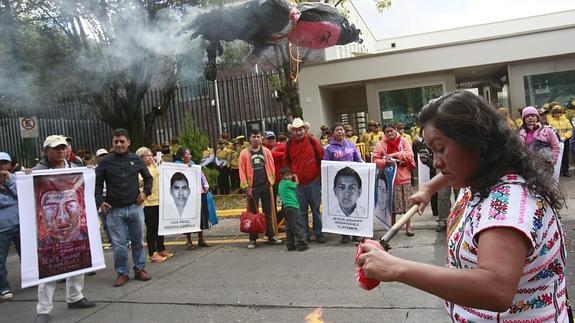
335, 125
477, 127
179, 155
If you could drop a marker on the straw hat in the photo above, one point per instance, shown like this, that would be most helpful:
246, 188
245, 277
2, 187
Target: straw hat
297, 123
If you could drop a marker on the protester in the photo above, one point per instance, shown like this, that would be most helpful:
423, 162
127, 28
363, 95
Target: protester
324, 135
504, 111
278, 150
349, 134
9, 222
519, 121
394, 149
341, 149
565, 130
506, 251
235, 167
70, 157
156, 249
183, 156
223, 161
257, 176
295, 232
55, 156
539, 138
122, 205
303, 156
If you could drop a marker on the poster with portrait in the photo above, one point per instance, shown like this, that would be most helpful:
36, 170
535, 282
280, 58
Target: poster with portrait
384, 197
180, 198
347, 197
59, 227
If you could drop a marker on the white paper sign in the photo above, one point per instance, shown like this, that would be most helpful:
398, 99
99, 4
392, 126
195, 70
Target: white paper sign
180, 198
348, 197
59, 227
387, 114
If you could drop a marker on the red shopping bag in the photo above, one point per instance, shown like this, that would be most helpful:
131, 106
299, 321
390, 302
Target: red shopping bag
253, 223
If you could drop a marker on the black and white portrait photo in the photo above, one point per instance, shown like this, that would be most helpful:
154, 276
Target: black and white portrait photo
180, 198
348, 197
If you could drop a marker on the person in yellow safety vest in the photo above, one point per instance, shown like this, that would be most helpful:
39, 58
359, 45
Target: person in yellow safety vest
242, 143
222, 161
565, 130
519, 121
350, 136
415, 132
401, 130
370, 138
324, 137
226, 136
504, 111
235, 166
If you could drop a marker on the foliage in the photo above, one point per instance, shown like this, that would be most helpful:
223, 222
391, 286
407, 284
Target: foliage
212, 177
193, 139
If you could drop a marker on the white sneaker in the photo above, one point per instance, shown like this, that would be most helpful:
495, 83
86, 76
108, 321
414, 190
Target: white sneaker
252, 244
6, 295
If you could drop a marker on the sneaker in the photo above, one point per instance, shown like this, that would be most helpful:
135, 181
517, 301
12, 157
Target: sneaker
302, 247
42, 318
166, 254
121, 280
107, 247
344, 239
321, 239
291, 248
156, 258
83, 303
252, 244
6, 295
274, 241
142, 275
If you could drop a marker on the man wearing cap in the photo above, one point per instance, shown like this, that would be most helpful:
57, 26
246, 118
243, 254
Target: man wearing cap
304, 153
565, 130
9, 221
278, 154
371, 137
125, 217
55, 156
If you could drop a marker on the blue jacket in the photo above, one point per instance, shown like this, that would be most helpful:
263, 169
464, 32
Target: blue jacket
8, 205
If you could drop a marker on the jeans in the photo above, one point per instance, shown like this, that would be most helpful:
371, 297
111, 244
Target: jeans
74, 286
295, 232
6, 239
309, 196
127, 223
262, 193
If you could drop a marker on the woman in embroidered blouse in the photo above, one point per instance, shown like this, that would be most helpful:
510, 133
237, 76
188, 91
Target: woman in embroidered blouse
506, 251
393, 148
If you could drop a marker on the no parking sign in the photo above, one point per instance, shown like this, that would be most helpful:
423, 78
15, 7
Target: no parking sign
29, 127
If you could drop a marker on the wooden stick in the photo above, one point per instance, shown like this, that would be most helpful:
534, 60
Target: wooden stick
397, 226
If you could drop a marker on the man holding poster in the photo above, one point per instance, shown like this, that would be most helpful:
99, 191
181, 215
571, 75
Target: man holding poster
63, 244
119, 171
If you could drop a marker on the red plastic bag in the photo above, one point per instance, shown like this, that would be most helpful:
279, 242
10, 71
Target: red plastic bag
253, 223
364, 282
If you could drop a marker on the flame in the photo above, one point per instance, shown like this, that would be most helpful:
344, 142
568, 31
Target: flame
314, 316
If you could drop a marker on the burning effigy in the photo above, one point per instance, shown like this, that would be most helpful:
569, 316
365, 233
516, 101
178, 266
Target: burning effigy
263, 23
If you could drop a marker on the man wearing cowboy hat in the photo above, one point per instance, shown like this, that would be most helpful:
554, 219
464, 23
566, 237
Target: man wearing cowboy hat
371, 137
565, 130
304, 153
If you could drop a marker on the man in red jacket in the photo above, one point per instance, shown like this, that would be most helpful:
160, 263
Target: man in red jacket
304, 153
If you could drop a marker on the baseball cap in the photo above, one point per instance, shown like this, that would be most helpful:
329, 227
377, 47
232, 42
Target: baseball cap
269, 134
101, 152
55, 141
5, 156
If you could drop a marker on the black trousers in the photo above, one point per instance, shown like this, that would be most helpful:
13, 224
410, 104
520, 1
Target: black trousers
224, 180
235, 178
565, 158
152, 219
434, 203
262, 193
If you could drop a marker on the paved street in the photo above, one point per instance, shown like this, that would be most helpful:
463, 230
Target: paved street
229, 283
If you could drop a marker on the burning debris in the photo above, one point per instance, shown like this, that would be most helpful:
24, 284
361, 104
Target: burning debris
315, 316
262, 23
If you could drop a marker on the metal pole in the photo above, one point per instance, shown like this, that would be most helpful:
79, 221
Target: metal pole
218, 113
260, 99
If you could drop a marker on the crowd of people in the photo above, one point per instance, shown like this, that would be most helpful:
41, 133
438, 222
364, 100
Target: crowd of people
289, 166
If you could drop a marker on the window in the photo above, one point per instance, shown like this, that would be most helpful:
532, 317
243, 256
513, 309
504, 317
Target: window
549, 87
403, 105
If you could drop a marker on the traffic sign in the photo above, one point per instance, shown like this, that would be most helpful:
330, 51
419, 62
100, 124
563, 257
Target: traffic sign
29, 127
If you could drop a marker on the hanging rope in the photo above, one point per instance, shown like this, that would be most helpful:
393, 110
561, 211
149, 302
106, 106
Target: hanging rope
295, 60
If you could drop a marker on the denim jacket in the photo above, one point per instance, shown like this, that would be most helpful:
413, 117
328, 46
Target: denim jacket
8, 205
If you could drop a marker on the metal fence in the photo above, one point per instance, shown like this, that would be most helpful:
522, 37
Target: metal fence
235, 105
